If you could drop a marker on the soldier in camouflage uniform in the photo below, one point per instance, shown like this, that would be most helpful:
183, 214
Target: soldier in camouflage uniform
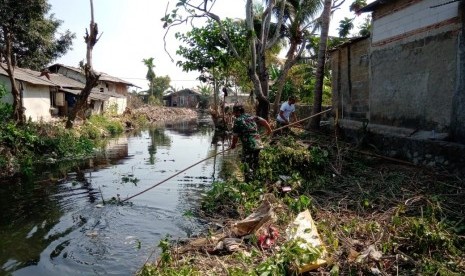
246, 128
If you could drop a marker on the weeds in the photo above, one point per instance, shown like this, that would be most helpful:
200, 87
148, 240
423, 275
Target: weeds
375, 217
37, 142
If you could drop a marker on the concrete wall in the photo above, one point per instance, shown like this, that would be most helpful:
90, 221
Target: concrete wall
120, 104
406, 16
36, 99
414, 73
350, 80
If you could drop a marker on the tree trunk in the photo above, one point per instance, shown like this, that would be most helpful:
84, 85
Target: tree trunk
290, 61
81, 103
18, 111
257, 63
320, 69
91, 77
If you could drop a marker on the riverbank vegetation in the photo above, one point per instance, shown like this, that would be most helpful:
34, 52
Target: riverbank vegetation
374, 216
22, 147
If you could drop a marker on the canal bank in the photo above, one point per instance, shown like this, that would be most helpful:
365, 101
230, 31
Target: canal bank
52, 226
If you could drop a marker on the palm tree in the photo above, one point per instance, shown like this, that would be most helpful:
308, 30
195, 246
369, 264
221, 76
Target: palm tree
320, 68
299, 18
150, 76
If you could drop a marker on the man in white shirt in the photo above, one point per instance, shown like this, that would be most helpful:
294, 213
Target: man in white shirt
286, 113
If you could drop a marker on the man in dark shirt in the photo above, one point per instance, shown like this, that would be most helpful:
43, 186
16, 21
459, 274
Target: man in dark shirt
246, 128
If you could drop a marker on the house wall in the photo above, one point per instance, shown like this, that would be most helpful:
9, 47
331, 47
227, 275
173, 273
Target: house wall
118, 88
400, 19
120, 104
184, 99
413, 65
36, 99
350, 80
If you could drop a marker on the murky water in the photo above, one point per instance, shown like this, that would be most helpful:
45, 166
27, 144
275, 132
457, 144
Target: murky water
59, 228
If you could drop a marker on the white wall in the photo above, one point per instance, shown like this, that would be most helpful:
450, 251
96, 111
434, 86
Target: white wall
36, 100
120, 102
414, 17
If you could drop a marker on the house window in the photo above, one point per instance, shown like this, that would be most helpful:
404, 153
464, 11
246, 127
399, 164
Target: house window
181, 101
101, 89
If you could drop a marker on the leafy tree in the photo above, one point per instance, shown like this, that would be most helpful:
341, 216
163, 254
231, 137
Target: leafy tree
258, 41
365, 27
157, 85
160, 85
206, 50
28, 39
150, 76
357, 5
299, 25
345, 26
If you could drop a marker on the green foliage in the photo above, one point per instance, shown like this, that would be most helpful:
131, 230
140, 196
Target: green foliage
287, 158
157, 85
6, 110
357, 4
33, 33
34, 142
289, 257
206, 50
365, 27
345, 26
298, 204
424, 234
96, 123
232, 193
165, 256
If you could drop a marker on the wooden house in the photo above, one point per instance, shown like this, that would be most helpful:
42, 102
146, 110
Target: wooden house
182, 98
113, 90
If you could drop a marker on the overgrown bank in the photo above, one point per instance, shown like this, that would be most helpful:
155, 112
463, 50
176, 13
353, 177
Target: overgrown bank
25, 147
375, 217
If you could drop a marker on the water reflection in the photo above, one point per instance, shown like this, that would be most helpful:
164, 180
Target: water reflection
55, 226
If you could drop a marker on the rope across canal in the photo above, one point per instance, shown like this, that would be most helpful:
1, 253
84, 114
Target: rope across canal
221, 152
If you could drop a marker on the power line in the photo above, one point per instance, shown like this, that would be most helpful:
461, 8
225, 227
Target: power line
146, 79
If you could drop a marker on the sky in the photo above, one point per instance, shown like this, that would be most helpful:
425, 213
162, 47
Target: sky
131, 30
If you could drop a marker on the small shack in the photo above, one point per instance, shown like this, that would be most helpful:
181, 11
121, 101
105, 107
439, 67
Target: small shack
182, 98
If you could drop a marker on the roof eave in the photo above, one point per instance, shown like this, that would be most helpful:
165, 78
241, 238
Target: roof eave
372, 6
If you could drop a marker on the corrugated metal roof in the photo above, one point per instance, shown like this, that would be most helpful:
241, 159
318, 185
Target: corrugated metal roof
57, 79
24, 75
94, 94
99, 96
103, 76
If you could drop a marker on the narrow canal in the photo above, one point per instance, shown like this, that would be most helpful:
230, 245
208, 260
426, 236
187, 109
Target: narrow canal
57, 226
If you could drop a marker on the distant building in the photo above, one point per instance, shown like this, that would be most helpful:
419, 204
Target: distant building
50, 93
182, 98
114, 89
